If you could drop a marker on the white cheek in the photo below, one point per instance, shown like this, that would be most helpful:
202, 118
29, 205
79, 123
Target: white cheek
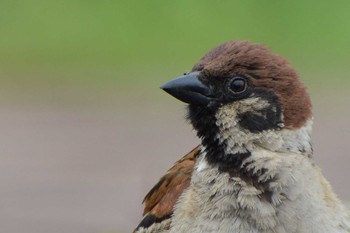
238, 140
231, 135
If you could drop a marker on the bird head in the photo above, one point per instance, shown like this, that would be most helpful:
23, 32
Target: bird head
241, 94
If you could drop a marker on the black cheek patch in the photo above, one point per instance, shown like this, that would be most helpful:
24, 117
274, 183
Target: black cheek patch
257, 123
264, 119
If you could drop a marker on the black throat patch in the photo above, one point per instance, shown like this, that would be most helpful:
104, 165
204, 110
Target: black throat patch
204, 121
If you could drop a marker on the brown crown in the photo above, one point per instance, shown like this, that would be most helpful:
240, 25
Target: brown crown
265, 70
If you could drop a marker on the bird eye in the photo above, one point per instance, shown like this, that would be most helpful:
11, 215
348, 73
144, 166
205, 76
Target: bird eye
238, 85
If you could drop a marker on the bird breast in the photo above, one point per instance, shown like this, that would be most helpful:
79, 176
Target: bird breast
221, 202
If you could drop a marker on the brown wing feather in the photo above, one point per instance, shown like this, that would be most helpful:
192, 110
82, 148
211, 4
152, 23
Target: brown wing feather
170, 186
160, 200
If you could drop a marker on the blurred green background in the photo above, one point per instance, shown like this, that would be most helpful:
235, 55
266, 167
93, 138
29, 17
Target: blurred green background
82, 117
144, 43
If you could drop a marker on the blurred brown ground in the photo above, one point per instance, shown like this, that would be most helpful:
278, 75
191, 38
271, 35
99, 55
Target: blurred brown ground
85, 168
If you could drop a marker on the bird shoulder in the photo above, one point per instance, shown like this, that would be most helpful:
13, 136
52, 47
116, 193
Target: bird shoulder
160, 200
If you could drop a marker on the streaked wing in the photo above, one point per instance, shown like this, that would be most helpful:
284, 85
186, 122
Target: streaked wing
160, 201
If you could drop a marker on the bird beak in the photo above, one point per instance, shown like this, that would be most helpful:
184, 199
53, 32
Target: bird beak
189, 89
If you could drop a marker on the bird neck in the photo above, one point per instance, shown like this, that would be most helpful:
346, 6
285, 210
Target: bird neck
231, 146
250, 161
226, 142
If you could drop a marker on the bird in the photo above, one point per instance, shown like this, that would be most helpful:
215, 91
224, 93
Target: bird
254, 170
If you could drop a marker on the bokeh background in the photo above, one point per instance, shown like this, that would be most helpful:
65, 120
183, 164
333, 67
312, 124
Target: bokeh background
85, 129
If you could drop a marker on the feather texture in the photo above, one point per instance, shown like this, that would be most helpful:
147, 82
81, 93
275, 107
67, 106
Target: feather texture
161, 199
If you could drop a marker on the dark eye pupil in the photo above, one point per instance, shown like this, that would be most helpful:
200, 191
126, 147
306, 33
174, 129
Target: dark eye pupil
238, 85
